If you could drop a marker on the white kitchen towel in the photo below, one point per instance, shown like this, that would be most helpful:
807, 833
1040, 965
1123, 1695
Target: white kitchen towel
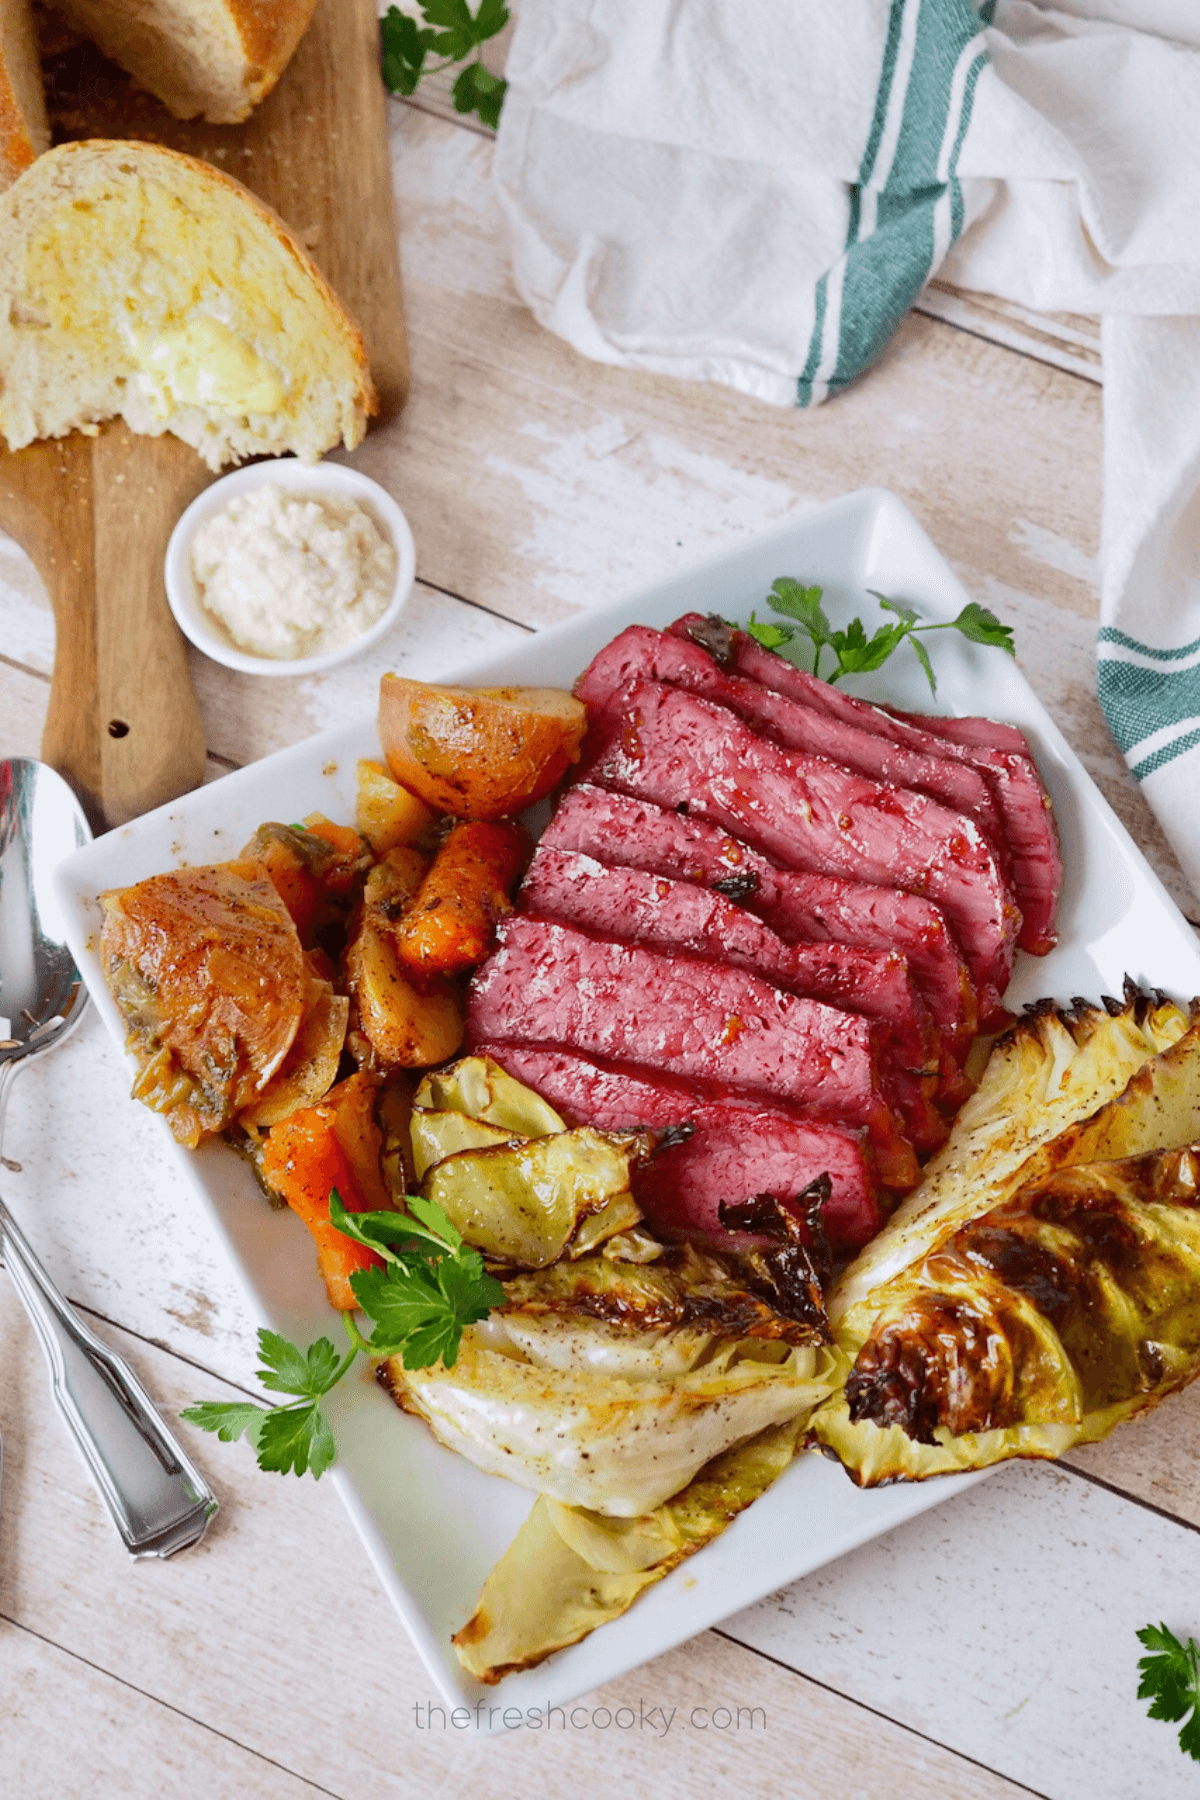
756, 194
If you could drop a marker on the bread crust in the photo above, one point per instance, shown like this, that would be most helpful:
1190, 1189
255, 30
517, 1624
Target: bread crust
24, 132
66, 169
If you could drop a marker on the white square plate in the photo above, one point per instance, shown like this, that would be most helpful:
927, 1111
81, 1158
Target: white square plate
432, 1524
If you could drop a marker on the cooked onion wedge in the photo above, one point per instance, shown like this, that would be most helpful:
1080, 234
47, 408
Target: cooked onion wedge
206, 967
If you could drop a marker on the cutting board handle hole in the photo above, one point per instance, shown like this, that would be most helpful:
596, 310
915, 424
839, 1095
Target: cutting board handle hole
118, 728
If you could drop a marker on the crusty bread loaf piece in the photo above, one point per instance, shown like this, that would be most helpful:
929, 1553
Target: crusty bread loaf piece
214, 57
24, 132
140, 283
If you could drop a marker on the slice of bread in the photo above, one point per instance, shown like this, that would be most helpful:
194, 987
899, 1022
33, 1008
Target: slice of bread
217, 58
24, 132
140, 283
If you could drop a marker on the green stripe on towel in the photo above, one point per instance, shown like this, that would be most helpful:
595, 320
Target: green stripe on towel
1139, 703
890, 248
1108, 634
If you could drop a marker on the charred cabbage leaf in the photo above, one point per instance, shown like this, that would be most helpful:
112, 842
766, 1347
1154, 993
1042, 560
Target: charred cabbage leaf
682, 1287
1028, 1306
569, 1569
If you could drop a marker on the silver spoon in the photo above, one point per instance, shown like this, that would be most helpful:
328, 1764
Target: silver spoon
159, 1500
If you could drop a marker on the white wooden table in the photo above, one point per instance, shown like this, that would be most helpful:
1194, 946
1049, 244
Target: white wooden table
986, 1649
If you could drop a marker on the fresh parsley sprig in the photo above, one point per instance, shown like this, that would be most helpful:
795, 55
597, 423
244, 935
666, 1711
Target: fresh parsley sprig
455, 34
1170, 1680
432, 1285
856, 653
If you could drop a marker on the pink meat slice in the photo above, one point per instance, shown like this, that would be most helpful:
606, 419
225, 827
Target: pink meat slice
619, 829
549, 985
641, 653
634, 907
738, 1149
999, 752
675, 749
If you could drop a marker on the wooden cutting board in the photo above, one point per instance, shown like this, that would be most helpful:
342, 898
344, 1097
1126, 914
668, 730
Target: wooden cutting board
95, 513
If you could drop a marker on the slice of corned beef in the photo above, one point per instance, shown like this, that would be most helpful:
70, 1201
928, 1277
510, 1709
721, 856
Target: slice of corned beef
999, 752
641, 653
665, 914
637, 908
738, 1149
549, 985
676, 749
620, 829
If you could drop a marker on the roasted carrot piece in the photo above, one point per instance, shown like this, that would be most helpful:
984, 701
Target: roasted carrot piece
451, 923
316, 1150
353, 855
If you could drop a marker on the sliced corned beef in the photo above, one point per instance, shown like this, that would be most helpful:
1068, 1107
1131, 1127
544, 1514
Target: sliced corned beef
641, 653
738, 1148
999, 752
666, 914
549, 985
621, 829
677, 749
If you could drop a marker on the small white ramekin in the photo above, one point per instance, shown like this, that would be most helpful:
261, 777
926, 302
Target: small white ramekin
199, 626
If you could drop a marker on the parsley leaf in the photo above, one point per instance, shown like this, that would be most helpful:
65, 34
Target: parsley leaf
296, 1435
291, 1371
983, 627
454, 33
420, 1306
1170, 1680
230, 1419
857, 653
296, 1438
478, 90
770, 636
403, 47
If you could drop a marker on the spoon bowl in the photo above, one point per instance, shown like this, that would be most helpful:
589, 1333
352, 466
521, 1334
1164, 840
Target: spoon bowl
158, 1499
41, 996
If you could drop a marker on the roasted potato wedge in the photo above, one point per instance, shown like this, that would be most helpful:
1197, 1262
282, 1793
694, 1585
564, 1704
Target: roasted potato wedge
407, 1028
478, 753
388, 815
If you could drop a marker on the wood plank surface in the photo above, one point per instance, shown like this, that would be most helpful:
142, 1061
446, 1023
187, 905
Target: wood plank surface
986, 1649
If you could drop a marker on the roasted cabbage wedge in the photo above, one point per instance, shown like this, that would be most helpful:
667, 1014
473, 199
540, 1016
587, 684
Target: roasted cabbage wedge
1052, 1070
1018, 1305
619, 1443
569, 1569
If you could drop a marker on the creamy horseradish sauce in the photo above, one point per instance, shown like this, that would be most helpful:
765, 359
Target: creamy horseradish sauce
291, 575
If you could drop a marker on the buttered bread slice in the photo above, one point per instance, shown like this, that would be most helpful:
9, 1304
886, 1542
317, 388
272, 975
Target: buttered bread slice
142, 284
